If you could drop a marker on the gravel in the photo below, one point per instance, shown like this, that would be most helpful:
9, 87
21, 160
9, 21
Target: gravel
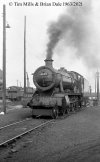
73, 139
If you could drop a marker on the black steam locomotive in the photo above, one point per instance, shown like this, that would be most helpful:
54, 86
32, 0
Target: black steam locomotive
57, 91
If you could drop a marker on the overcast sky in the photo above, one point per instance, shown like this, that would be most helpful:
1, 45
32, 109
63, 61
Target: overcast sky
66, 53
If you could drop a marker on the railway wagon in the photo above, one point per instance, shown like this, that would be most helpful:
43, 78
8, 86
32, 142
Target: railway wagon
57, 91
16, 93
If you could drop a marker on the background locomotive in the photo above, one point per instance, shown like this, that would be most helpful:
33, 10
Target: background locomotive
57, 91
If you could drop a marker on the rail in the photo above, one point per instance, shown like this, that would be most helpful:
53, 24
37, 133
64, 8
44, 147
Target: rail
10, 140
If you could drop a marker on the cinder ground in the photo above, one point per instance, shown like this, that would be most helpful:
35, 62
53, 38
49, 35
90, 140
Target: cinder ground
14, 113
73, 139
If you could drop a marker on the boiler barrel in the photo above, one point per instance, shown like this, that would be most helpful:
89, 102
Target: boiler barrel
46, 78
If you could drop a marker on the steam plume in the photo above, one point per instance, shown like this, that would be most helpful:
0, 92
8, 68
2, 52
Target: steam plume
76, 28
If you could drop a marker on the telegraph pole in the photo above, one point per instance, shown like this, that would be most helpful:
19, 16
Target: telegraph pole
25, 55
97, 86
27, 81
4, 59
17, 83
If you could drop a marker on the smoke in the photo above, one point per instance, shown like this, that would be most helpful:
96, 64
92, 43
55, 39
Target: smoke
76, 29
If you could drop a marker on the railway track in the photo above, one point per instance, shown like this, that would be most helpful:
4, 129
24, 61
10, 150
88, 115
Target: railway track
11, 132
13, 123
17, 122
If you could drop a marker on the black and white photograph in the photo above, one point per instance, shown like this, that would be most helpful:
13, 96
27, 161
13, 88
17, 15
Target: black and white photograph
49, 81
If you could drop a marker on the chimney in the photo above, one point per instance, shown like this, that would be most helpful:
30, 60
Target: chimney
48, 62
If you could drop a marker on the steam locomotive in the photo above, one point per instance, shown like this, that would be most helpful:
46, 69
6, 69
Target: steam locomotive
57, 91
